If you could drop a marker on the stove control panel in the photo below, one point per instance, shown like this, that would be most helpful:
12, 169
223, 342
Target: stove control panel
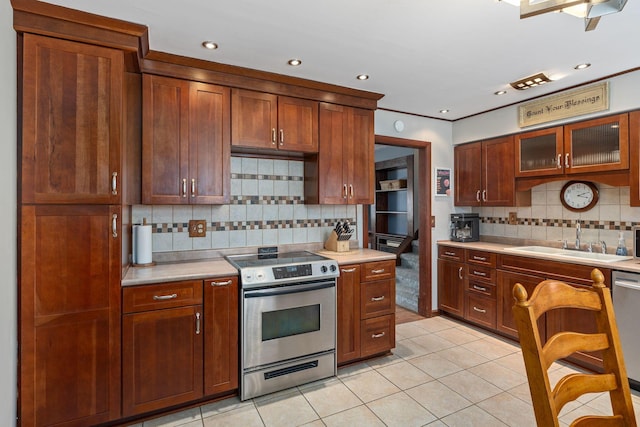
289, 273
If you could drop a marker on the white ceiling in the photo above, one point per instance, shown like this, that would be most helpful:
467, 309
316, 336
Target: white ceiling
423, 55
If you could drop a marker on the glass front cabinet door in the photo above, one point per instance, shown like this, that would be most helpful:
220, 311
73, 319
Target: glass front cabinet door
539, 152
597, 145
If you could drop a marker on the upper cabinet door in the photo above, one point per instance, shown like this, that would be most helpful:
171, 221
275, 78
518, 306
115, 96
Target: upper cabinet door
597, 145
330, 172
165, 140
297, 125
209, 148
499, 182
539, 153
72, 122
254, 119
361, 160
468, 174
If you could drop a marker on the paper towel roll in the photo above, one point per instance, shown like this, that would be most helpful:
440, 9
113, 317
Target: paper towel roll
142, 244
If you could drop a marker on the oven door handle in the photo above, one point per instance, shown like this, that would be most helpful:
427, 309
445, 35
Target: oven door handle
285, 290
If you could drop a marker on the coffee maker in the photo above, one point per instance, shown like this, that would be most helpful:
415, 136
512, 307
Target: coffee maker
465, 227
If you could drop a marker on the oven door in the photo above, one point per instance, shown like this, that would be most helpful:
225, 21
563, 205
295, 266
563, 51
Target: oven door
286, 322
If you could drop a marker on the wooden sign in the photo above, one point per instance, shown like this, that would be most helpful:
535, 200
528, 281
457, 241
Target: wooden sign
589, 99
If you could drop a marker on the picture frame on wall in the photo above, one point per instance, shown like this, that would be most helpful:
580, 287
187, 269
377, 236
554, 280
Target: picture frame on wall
442, 182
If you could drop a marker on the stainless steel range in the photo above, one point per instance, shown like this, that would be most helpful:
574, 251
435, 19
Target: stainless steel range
287, 321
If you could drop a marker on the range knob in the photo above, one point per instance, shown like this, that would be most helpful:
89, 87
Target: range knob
323, 268
333, 268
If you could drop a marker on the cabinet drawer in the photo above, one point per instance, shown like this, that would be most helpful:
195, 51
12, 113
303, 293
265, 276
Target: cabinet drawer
450, 252
481, 310
477, 272
378, 270
166, 295
481, 257
481, 288
377, 298
377, 335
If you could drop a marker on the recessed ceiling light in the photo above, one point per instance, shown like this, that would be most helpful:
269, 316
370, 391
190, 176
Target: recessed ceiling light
210, 45
444, 111
500, 92
362, 76
582, 66
294, 62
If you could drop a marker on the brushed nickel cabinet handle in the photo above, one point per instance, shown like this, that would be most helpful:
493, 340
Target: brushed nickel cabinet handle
281, 136
184, 187
479, 310
164, 297
479, 258
479, 288
344, 191
377, 298
559, 161
351, 191
378, 271
193, 187
114, 183
114, 225
478, 196
380, 335
225, 283
450, 253
566, 161
197, 323
348, 270
479, 273
460, 273
484, 195
273, 136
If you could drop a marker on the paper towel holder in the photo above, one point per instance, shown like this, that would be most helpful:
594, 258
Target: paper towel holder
134, 247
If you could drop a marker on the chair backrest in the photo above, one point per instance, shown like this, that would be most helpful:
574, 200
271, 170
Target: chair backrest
538, 356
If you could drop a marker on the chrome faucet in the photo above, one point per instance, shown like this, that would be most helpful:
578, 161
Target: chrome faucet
603, 247
578, 231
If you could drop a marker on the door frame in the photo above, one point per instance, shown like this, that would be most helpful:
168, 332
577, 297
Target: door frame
423, 189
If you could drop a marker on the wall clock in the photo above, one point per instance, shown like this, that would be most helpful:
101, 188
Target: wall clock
579, 196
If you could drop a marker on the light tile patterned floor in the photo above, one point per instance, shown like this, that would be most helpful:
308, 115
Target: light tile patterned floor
442, 373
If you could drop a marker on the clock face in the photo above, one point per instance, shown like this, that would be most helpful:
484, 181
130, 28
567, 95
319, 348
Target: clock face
579, 196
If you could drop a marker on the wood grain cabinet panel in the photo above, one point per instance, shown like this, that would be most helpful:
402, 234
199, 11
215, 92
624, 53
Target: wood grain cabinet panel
266, 121
186, 151
71, 122
348, 340
451, 287
69, 314
221, 335
343, 171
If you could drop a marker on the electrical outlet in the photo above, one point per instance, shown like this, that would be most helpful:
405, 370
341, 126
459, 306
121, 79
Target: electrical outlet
513, 218
197, 228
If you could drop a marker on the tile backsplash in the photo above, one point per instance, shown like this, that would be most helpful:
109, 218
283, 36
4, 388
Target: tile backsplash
266, 209
547, 219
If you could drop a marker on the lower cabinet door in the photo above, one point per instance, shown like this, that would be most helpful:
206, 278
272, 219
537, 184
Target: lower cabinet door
162, 358
348, 289
377, 335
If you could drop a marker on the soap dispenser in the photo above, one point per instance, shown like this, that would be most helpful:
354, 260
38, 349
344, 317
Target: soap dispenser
622, 247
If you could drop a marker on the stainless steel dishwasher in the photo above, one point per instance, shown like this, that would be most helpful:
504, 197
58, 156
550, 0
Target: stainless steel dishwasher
626, 304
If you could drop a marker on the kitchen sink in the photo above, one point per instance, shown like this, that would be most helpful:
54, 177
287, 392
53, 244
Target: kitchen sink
569, 254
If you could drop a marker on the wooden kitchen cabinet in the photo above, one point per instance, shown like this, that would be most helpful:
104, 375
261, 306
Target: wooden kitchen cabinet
69, 314
451, 284
162, 346
221, 334
343, 171
266, 121
71, 122
186, 142
506, 281
480, 290
366, 310
634, 156
590, 146
478, 182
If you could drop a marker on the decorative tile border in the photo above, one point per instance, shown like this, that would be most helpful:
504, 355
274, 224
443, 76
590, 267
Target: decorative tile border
267, 200
569, 223
181, 227
266, 177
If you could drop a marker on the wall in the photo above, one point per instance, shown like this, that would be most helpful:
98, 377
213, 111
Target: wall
546, 219
8, 174
439, 133
267, 209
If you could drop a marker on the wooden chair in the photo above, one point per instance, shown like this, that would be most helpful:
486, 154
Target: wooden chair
547, 403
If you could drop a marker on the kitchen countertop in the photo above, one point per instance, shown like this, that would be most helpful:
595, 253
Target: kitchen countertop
219, 267
632, 265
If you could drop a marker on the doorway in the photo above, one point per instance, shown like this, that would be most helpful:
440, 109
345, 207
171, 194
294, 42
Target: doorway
422, 192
